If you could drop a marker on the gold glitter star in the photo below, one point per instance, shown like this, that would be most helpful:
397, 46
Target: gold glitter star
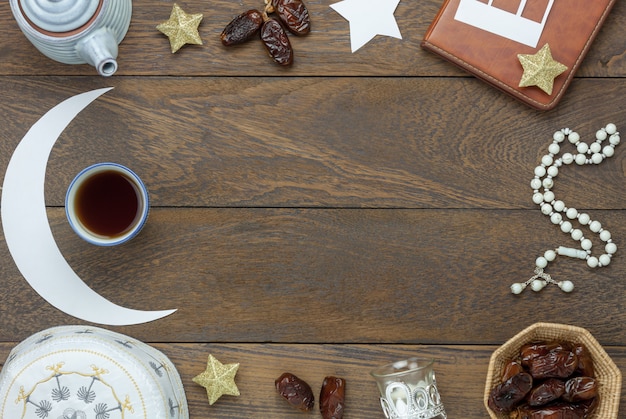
181, 28
540, 69
218, 379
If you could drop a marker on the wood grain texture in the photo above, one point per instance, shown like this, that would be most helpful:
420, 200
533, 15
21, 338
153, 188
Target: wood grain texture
320, 142
460, 370
342, 275
352, 210
325, 51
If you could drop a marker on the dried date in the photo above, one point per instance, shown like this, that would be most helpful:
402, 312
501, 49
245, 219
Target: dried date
296, 391
590, 405
554, 411
546, 392
276, 42
294, 14
555, 364
585, 362
510, 369
533, 350
507, 395
242, 28
332, 398
580, 388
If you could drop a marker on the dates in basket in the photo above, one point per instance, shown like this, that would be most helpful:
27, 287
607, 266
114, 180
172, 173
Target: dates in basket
558, 410
546, 392
554, 364
548, 380
510, 393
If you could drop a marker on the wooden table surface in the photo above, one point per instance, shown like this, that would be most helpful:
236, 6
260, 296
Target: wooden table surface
355, 209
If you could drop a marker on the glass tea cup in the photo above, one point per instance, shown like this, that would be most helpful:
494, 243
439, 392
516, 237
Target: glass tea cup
408, 389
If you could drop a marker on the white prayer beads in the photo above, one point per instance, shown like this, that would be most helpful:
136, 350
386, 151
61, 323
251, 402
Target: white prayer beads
559, 214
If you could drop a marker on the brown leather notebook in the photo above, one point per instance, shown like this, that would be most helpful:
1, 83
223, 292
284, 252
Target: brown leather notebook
486, 37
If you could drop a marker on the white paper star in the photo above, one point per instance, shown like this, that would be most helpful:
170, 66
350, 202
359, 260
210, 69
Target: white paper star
368, 18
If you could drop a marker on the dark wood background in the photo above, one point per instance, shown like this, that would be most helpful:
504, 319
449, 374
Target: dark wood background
352, 210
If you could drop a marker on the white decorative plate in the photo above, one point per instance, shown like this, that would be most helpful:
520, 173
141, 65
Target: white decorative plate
80, 372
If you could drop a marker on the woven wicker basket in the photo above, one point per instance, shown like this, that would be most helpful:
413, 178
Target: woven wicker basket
608, 375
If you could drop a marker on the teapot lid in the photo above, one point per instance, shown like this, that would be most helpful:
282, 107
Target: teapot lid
59, 15
78, 372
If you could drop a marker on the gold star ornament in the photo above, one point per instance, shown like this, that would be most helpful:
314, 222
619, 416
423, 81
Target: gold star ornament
540, 69
181, 28
218, 379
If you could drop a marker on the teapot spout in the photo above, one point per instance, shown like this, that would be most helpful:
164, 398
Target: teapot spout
100, 50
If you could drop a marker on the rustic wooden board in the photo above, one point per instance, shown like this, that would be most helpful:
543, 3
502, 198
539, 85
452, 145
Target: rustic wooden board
331, 275
352, 210
325, 51
460, 370
321, 142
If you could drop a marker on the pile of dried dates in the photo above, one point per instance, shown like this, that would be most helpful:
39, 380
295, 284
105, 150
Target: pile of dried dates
299, 394
548, 380
292, 13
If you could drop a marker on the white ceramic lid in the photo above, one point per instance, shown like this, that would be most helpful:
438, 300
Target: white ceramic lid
59, 15
83, 372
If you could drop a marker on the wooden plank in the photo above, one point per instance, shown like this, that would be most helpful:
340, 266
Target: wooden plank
352, 210
460, 370
333, 275
320, 142
325, 51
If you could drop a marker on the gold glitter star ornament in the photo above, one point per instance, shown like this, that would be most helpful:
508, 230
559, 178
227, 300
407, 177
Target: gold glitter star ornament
540, 69
218, 379
181, 28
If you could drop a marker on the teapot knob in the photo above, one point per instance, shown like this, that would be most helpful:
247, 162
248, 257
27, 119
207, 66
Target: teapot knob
59, 15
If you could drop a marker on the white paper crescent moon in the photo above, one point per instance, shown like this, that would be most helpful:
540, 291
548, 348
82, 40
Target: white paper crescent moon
27, 230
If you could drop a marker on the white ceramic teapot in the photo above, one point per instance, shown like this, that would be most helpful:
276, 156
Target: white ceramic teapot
85, 371
75, 31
